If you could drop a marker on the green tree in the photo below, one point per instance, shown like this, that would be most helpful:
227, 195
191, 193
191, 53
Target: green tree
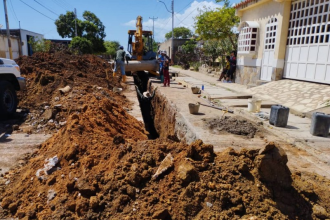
217, 24
91, 28
189, 46
84, 45
179, 32
111, 47
40, 45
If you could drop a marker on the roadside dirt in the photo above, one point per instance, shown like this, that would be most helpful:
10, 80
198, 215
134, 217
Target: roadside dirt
45, 107
106, 167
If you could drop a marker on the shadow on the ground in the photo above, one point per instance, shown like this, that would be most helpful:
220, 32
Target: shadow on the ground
7, 126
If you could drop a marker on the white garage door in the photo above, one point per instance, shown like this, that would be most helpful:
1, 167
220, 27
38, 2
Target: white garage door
308, 45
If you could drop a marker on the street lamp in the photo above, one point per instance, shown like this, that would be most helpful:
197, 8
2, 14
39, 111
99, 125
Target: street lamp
172, 44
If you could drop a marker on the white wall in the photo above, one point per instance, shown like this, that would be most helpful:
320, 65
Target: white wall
4, 50
24, 34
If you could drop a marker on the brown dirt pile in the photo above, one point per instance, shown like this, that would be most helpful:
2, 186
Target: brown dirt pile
45, 107
235, 125
106, 166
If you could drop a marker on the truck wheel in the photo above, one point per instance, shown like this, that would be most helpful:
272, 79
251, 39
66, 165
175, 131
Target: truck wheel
8, 99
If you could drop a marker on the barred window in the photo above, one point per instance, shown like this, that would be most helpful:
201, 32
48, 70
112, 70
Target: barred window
247, 40
309, 22
270, 38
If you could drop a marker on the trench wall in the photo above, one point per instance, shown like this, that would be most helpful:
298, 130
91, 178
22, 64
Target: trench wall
169, 122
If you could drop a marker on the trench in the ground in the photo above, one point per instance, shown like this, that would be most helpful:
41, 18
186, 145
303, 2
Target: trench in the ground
157, 114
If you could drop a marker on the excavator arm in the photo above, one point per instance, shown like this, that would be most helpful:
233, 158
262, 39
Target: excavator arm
138, 39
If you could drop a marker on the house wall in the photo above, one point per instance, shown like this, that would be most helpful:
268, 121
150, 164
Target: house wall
249, 66
4, 50
24, 34
167, 46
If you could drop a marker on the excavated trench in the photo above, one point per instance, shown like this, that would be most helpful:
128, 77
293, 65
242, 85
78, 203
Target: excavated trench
158, 115
141, 80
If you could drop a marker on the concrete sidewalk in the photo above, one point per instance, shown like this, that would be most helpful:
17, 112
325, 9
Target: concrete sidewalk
301, 97
229, 95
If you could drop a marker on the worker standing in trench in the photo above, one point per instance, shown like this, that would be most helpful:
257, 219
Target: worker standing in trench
147, 111
120, 62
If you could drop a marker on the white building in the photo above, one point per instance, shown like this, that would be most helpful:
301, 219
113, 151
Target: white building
283, 39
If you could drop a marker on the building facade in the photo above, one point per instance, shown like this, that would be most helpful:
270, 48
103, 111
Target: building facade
283, 39
177, 43
20, 42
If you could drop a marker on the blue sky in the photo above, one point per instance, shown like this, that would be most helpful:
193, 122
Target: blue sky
118, 16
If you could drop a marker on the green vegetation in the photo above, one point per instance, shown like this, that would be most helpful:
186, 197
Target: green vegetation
82, 44
91, 29
40, 45
179, 32
111, 47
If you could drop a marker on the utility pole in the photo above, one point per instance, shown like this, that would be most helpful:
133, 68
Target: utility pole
172, 43
153, 27
7, 26
75, 22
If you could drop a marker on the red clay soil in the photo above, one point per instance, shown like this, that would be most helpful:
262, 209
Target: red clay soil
106, 166
46, 106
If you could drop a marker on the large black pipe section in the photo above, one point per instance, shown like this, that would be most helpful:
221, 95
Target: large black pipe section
141, 80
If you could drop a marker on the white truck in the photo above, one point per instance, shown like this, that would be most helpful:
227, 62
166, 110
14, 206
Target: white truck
10, 82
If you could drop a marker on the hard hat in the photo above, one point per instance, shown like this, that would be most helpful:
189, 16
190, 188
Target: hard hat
121, 47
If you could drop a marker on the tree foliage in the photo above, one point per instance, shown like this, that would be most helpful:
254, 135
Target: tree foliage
40, 45
179, 32
188, 55
82, 44
189, 46
111, 47
217, 24
91, 28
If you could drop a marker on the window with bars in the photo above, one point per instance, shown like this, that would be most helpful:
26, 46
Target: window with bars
247, 40
309, 22
270, 38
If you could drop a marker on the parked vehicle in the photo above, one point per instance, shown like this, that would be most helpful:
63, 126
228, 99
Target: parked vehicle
10, 82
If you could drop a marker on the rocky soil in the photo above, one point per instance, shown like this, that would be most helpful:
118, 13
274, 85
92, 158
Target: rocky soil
100, 164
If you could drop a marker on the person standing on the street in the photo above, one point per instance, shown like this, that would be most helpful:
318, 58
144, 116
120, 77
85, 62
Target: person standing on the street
161, 60
120, 62
232, 69
166, 73
225, 69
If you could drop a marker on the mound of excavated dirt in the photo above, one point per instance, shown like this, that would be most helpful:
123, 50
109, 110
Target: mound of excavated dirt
106, 170
235, 125
57, 85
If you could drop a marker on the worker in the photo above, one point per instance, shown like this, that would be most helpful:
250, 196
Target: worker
120, 62
147, 111
166, 72
161, 60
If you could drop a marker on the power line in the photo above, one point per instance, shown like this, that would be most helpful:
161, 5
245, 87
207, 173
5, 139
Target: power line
12, 8
58, 4
187, 16
186, 6
67, 4
37, 11
46, 7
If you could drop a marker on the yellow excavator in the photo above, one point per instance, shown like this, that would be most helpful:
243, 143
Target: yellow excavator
143, 58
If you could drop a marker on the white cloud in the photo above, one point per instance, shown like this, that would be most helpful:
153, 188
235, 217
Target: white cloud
183, 19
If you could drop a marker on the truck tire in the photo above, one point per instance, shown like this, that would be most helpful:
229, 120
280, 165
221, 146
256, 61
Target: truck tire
8, 99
